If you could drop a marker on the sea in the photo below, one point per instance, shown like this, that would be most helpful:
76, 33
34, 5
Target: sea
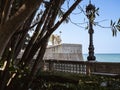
105, 57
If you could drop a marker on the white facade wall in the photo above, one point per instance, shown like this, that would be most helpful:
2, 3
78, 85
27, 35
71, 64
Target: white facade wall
64, 52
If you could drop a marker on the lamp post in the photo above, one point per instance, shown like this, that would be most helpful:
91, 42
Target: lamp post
90, 13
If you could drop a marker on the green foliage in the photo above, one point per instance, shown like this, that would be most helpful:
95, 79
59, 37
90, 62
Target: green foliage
45, 81
115, 27
96, 12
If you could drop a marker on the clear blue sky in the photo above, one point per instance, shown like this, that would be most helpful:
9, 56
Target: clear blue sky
104, 42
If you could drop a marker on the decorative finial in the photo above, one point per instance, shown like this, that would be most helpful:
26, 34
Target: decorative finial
89, 1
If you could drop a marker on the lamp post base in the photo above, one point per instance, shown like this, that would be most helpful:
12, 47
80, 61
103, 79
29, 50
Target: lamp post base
91, 58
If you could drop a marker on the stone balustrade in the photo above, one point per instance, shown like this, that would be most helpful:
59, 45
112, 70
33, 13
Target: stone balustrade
83, 67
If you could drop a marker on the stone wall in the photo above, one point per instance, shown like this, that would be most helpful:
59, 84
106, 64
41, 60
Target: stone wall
64, 52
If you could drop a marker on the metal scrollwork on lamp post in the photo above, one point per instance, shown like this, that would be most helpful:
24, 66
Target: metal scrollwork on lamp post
90, 13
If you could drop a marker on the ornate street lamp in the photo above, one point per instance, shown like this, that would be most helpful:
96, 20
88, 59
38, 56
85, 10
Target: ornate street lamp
90, 13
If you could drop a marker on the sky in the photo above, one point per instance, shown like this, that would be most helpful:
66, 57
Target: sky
103, 40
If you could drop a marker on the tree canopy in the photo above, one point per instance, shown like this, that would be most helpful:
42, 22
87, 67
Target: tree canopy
17, 18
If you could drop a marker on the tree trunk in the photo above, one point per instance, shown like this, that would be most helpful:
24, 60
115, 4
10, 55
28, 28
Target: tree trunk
47, 28
6, 11
21, 42
34, 37
37, 44
11, 25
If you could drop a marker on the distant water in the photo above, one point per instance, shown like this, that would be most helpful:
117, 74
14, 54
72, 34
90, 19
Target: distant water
105, 57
